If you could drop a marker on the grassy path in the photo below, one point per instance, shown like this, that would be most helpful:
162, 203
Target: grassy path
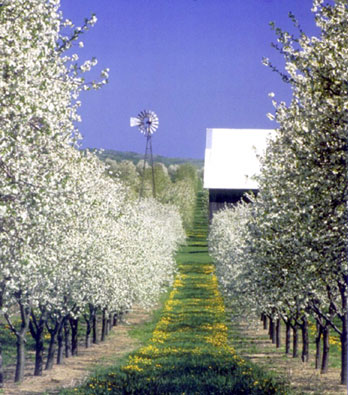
188, 352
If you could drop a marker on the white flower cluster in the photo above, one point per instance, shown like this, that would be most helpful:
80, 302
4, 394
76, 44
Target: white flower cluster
71, 240
227, 246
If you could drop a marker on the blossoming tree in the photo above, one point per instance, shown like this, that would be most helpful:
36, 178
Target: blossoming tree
71, 241
297, 233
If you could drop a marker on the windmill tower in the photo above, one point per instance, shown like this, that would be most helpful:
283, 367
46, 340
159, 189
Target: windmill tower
147, 123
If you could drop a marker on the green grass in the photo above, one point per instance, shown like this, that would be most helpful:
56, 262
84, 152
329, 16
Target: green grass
143, 332
188, 350
8, 344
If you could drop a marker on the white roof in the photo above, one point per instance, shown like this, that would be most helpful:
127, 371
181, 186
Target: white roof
231, 157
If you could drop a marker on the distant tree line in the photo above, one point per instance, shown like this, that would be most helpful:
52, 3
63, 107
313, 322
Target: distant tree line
175, 184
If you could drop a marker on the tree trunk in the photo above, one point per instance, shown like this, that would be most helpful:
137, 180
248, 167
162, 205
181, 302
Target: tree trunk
88, 332
278, 330
52, 347
265, 322
37, 330
1, 361
317, 345
20, 339
305, 340
20, 357
115, 318
287, 337
326, 350
95, 329
103, 332
294, 342
89, 318
67, 341
54, 332
273, 331
108, 324
60, 340
74, 324
1, 370
344, 338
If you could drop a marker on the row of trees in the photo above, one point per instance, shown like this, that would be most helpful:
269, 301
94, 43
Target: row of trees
73, 244
175, 184
285, 255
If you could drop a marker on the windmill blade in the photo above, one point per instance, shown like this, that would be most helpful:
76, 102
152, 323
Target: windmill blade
142, 115
135, 121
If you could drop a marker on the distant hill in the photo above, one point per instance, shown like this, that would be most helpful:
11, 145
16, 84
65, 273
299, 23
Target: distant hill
135, 157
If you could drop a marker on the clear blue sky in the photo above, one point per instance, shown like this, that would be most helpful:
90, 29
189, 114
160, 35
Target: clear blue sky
196, 63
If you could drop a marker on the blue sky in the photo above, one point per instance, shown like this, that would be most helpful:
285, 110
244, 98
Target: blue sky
196, 63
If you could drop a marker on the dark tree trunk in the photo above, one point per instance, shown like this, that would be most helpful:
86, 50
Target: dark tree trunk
67, 341
278, 330
287, 336
273, 334
55, 331
108, 324
326, 350
89, 318
1, 370
20, 339
305, 340
39, 358
294, 342
74, 324
344, 347
60, 341
1, 361
103, 332
20, 365
115, 318
95, 329
88, 333
37, 330
52, 346
265, 322
317, 345
344, 336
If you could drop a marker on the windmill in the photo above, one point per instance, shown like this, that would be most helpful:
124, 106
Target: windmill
147, 123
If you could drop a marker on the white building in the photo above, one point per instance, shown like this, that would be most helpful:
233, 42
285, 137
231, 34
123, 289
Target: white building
230, 162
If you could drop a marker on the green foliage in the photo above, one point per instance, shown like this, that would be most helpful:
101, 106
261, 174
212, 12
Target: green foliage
176, 185
162, 181
186, 171
135, 158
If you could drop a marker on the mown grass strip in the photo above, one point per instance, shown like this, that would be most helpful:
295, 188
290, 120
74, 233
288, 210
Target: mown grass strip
188, 352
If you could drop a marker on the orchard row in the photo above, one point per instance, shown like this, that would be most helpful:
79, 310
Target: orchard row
73, 243
285, 255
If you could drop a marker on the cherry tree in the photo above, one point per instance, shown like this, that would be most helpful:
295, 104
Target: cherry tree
313, 132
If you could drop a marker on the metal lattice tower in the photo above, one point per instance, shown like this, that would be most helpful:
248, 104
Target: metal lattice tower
147, 123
